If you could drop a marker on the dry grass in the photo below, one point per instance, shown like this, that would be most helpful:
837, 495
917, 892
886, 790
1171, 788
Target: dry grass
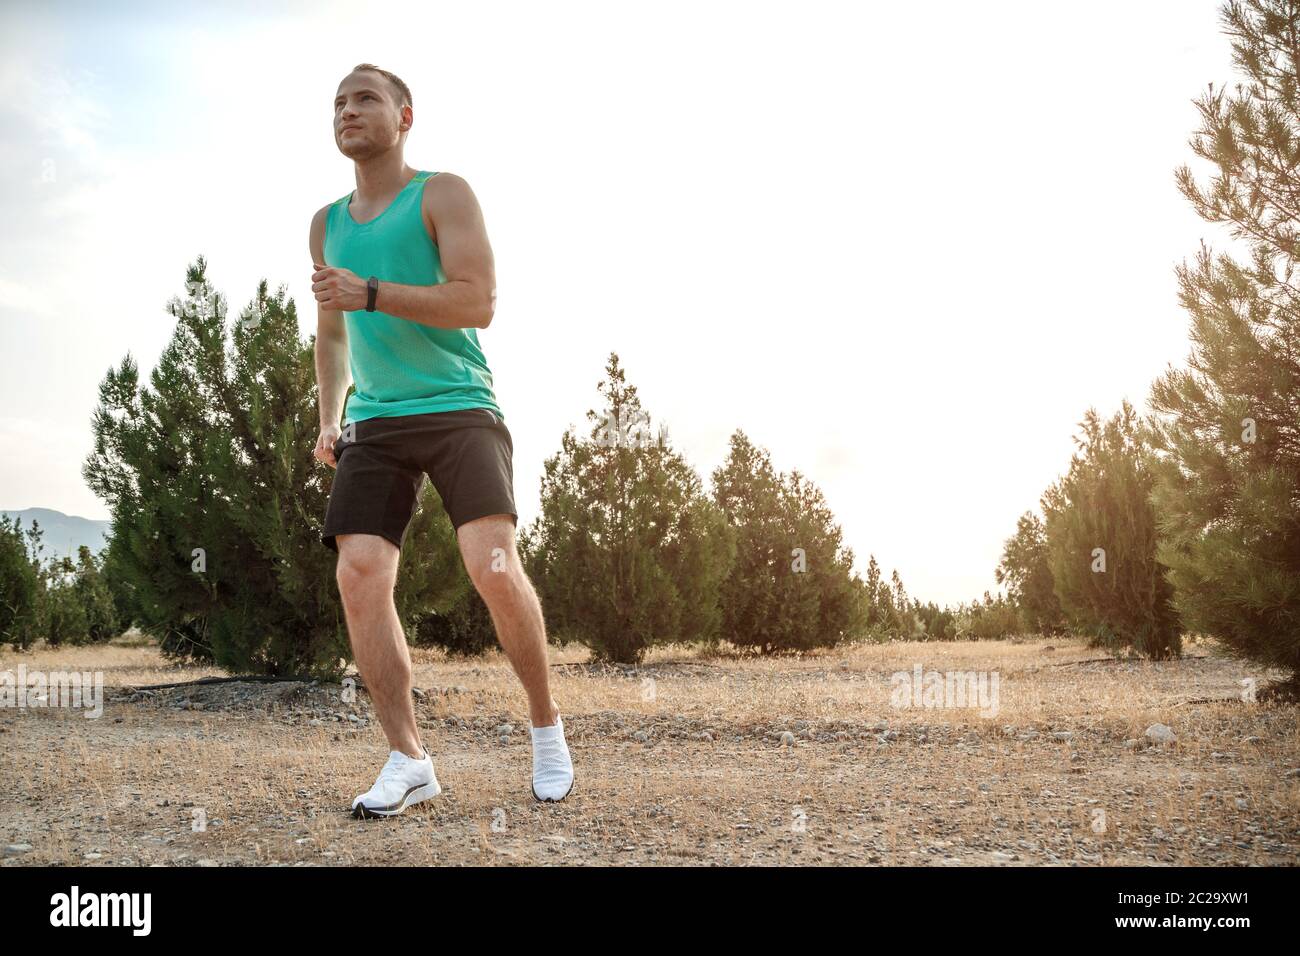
273, 772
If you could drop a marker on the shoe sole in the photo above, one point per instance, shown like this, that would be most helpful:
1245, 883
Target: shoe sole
555, 799
410, 798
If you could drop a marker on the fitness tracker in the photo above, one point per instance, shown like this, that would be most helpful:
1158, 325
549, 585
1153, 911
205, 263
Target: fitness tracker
372, 289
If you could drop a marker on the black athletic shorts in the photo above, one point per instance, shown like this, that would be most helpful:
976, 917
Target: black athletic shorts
466, 453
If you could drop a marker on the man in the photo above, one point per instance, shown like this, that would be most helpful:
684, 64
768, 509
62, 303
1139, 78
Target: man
404, 278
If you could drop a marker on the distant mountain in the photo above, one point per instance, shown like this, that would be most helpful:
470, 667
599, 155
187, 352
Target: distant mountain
63, 534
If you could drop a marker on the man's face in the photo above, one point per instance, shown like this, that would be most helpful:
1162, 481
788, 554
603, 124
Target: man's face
367, 120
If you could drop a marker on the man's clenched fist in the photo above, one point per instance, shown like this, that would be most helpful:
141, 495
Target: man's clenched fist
338, 289
325, 445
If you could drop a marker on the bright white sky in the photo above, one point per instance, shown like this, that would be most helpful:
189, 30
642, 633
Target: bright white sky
903, 246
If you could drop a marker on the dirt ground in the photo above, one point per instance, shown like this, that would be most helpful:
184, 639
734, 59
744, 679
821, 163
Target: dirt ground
724, 759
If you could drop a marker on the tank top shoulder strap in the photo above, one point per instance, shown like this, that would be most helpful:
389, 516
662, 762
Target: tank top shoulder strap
421, 176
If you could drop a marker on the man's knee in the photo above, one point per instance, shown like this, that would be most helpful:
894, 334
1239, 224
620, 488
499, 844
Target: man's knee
365, 565
500, 584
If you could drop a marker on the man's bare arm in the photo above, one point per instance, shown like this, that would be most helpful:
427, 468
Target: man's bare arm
466, 300
332, 376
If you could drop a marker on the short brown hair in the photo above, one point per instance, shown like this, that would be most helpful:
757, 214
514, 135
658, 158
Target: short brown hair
403, 91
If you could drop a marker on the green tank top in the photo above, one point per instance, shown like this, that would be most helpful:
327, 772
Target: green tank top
400, 367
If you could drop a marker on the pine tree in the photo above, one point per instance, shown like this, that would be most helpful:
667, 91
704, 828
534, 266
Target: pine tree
876, 593
1025, 570
993, 619
64, 619
748, 491
20, 583
217, 500
938, 624
791, 586
120, 589
1101, 541
883, 618
95, 597
77, 607
902, 618
626, 552
1226, 430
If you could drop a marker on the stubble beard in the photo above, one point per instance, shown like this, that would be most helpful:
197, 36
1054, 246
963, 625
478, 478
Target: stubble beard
366, 147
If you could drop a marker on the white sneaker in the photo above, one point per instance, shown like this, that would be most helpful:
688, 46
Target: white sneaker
403, 782
552, 768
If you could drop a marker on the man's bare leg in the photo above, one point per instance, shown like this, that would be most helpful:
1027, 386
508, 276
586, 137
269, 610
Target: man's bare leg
367, 574
487, 546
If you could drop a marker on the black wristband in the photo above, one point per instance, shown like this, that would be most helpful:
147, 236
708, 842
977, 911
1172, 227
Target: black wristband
372, 289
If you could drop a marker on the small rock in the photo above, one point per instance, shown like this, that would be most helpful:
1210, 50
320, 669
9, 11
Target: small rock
1160, 733
1062, 734
419, 693
506, 729
1242, 803
16, 849
787, 739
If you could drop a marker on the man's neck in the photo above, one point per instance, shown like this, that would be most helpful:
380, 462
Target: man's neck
382, 177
